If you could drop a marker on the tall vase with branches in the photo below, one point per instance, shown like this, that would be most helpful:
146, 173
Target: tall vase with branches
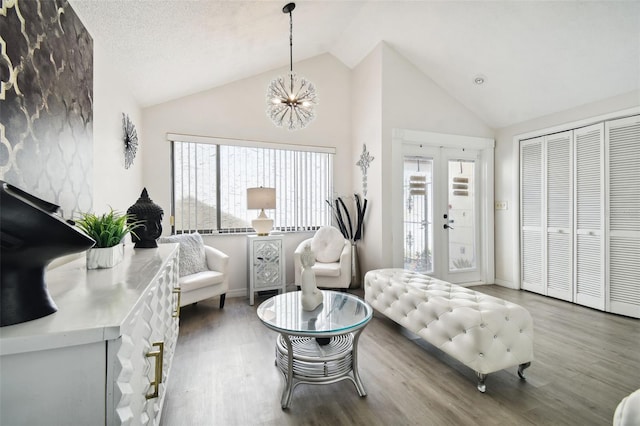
352, 230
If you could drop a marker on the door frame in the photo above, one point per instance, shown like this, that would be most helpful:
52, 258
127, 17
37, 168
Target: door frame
402, 137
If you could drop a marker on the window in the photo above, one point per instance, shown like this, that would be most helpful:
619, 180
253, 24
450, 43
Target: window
211, 177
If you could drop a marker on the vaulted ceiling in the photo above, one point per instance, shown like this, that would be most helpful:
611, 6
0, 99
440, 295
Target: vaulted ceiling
537, 57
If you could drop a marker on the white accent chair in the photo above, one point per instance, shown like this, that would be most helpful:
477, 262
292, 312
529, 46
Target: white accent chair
333, 259
203, 271
207, 284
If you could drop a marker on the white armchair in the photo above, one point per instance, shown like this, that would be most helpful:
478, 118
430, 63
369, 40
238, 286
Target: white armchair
203, 269
333, 259
206, 284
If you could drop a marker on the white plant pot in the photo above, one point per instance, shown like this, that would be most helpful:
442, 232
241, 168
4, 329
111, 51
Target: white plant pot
108, 257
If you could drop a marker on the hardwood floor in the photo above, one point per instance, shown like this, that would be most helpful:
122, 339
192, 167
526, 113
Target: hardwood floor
223, 373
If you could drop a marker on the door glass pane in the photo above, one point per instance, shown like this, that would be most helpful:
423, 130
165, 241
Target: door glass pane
461, 215
418, 213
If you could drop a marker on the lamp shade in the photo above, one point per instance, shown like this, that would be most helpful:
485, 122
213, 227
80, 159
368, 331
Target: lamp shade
261, 198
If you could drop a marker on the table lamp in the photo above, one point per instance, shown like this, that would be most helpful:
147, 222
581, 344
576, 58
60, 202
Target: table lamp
259, 199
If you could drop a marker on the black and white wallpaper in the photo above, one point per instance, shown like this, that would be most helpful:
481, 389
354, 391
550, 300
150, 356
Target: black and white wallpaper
46, 102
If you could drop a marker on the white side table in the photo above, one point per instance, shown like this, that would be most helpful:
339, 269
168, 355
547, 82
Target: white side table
266, 264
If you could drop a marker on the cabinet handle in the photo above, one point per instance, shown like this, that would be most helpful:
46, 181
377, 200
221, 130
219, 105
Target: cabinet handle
178, 291
158, 355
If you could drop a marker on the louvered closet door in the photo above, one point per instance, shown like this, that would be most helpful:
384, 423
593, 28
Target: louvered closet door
559, 215
531, 186
589, 214
623, 142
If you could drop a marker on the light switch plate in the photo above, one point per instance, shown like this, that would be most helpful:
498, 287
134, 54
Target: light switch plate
502, 205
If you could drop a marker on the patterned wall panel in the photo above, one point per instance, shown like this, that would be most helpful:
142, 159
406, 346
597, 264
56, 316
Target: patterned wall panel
46, 102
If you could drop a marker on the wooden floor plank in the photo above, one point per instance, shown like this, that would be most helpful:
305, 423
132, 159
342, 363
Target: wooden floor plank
223, 373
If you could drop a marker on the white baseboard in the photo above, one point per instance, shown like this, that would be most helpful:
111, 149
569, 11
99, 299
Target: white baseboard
507, 284
237, 292
243, 292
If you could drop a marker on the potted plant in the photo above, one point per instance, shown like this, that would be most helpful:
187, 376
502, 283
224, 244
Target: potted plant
108, 230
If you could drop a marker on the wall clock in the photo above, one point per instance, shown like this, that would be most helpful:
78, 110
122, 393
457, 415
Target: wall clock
130, 137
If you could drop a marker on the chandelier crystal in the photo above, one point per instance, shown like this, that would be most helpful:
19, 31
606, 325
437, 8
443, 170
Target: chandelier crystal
291, 98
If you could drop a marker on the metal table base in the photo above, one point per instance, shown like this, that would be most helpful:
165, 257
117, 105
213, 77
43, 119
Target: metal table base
303, 360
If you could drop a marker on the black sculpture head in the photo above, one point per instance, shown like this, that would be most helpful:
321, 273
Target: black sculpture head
150, 214
31, 236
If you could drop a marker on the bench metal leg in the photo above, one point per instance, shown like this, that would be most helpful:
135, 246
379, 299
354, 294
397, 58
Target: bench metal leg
481, 378
521, 368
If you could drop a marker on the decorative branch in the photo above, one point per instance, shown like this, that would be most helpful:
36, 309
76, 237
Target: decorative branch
338, 219
346, 212
350, 230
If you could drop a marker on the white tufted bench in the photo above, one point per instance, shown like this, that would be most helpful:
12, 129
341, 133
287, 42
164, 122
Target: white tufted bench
483, 332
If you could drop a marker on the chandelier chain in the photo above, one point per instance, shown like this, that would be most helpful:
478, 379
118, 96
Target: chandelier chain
290, 42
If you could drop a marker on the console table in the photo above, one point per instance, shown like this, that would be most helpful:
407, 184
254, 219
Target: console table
319, 346
104, 357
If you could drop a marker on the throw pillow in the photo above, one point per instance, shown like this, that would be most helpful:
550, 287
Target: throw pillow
192, 258
327, 244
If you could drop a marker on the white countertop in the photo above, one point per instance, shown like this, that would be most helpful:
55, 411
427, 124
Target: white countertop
92, 304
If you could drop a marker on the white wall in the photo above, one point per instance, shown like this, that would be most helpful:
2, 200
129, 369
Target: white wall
113, 185
408, 99
411, 100
366, 104
235, 245
237, 111
506, 176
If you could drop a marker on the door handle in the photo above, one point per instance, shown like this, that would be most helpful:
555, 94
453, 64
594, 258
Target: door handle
445, 226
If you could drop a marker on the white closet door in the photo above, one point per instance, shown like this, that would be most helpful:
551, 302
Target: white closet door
531, 189
589, 223
623, 249
559, 215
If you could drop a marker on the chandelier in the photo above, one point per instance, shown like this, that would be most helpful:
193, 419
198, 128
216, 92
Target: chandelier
291, 99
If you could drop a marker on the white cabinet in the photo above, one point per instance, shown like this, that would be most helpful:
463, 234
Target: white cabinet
580, 215
265, 255
100, 358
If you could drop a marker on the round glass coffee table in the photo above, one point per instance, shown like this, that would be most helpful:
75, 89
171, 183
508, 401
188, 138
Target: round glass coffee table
319, 346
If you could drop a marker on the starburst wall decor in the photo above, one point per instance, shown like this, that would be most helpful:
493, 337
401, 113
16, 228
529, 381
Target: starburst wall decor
130, 137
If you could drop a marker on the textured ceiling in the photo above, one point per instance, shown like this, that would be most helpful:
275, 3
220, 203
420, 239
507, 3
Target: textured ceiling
538, 57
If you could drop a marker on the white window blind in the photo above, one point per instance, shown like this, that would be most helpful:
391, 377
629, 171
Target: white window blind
210, 182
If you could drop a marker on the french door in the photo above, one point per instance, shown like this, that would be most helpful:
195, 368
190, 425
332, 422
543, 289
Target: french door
441, 220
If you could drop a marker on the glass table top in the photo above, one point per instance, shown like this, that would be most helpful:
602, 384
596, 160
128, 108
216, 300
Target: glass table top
338, 313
